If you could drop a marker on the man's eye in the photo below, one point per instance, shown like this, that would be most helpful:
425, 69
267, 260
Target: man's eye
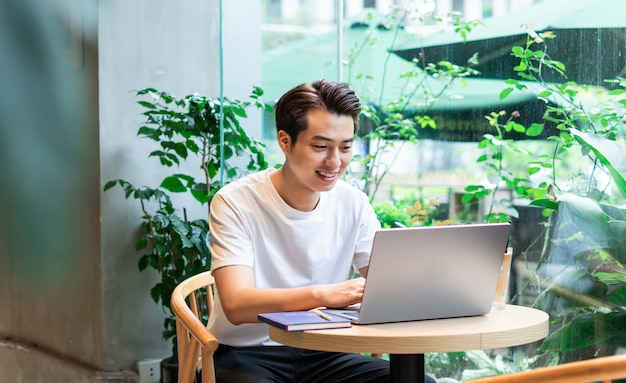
319, 146
346, 148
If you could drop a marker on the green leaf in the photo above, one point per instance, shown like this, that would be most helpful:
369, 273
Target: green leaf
187, 178
618, 297
610, 153
521, 67
552, 343
609, 278
212, 169
192, 146
153, 261
200, 196
473, 188
109, 185
146, 104
579, 333
148, 132
546, 203
617, 237
517, 51
146, 91
467, 198
505, 93
181, 149
535, 130
257, 91
141, 244
545, 94
533, 169
518, 127
156, 292
173, 184
142, 263
582, 331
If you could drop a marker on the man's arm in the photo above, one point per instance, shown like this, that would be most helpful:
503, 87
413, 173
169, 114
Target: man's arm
242, 301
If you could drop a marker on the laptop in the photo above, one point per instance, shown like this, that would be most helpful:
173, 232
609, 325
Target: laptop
431, 272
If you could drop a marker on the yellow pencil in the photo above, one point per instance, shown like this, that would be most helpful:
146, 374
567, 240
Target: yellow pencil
321, 314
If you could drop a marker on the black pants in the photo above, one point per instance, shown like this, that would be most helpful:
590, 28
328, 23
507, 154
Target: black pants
282, 364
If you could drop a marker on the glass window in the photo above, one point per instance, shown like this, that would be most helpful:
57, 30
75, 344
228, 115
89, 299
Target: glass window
505, 119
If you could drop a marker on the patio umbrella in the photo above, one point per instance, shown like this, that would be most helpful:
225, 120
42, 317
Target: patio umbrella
459, 109
590, 41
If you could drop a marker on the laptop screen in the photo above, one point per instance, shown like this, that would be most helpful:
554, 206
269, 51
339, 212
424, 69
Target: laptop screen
433, 272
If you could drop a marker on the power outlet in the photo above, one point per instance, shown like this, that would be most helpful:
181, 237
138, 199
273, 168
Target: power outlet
149, 370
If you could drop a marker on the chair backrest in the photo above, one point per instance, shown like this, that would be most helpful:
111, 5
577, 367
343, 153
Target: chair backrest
196, 344
602, 369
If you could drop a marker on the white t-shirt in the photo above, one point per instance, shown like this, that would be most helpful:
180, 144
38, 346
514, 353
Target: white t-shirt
251, 225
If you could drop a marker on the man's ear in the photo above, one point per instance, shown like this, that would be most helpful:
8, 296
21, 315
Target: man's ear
284, 141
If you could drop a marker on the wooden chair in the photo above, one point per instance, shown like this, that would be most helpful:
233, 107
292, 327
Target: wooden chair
196, 344
602, 369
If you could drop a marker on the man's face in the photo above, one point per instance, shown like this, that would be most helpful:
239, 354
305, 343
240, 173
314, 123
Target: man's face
322, 152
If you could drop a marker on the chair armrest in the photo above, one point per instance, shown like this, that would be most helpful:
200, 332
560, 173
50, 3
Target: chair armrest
191, 322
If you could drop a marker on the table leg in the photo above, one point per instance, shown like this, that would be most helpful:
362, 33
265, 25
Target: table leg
407, 368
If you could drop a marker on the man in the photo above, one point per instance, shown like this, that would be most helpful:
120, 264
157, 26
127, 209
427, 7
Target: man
286, 240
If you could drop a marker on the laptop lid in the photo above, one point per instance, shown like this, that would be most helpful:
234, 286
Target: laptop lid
433, 272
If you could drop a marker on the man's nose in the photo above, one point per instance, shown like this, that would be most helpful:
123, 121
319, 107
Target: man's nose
333, 158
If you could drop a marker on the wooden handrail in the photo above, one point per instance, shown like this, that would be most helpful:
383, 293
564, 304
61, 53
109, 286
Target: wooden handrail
602, 369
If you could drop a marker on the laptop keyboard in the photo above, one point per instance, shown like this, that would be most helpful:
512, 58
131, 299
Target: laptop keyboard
352, 314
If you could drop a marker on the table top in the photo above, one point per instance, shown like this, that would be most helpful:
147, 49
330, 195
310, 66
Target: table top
515, 325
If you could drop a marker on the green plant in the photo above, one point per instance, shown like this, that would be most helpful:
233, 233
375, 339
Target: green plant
393, 213
389, 124
195, 130
481, 364
576, 175
475, 364
425, 212
501, 158
583, 186
592, 231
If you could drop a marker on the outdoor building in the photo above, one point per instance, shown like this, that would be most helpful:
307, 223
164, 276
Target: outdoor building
451, 133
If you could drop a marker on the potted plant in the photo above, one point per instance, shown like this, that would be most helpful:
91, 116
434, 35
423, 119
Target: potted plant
193, 129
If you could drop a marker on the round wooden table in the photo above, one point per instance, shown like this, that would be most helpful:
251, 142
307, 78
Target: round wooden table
407, 342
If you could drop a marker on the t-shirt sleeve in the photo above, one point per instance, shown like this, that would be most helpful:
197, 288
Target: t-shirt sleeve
369, 224
229, 242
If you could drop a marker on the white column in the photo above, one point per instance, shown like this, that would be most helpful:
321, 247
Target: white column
516, 5
352, 7
321, 11
384, 6
289, 9
500, 7
443, 7
472, 9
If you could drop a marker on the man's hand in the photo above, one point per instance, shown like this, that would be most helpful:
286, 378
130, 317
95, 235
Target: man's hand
343, 294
